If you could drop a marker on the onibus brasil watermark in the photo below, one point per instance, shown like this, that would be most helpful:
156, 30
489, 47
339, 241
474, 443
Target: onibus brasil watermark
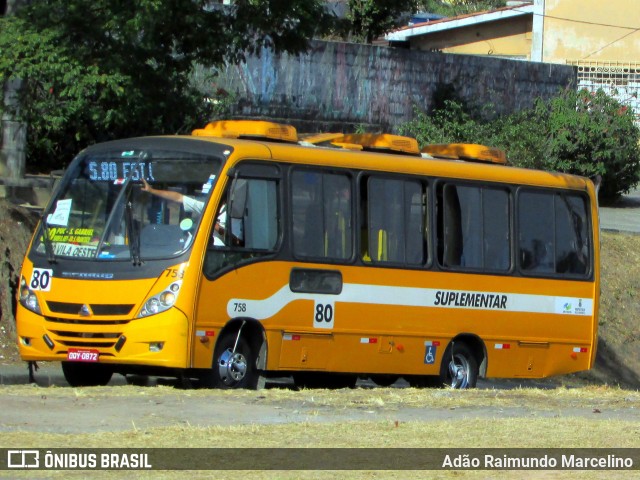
320, 459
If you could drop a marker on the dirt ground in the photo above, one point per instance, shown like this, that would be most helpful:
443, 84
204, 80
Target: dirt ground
122, 406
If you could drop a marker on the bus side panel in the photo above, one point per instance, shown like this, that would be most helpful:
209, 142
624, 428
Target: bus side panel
396, 321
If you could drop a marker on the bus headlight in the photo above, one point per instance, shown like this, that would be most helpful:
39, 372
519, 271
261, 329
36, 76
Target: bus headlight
28, 297
162, 301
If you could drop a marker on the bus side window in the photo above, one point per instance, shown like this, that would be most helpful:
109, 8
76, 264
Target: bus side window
322, 215
552, 233
475, 224
572, 249
396, 220
451, 228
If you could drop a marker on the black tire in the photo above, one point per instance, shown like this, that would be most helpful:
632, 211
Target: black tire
234, 369
331, 381
425, 381
78, 374
384, 380
463, 371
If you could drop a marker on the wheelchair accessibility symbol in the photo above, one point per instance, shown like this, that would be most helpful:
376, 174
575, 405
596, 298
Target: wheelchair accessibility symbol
430, 354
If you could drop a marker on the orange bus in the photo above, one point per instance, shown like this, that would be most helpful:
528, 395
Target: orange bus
243, 251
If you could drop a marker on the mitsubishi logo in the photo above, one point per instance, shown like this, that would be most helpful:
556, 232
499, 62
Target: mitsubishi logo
85, 311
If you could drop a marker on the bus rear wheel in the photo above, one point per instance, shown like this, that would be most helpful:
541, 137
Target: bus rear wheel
332, 381
235, 368
459, 370
79, 374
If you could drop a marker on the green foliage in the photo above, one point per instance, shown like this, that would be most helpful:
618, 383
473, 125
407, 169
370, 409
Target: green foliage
449, 124
592, 134
452, 8
582, 133
93, 70
369, 19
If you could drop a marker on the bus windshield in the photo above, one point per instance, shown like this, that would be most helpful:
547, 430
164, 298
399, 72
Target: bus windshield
128, 204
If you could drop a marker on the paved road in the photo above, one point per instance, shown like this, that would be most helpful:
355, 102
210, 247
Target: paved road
624, 215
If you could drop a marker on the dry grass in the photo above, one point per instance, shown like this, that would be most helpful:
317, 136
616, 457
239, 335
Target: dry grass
619, 330
463, 433
389, 399
620, 300
548, 432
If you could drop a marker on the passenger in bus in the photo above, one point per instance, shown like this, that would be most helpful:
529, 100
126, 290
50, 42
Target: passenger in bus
191, 205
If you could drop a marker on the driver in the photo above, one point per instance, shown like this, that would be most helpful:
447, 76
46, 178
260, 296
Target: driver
190, 205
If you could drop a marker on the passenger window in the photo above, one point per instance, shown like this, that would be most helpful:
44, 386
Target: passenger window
553, 233
572, 247
322, 215
396, 220
473, 227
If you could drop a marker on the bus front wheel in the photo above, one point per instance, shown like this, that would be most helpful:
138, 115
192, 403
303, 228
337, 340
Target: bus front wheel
460, 369
78, 374
235, 368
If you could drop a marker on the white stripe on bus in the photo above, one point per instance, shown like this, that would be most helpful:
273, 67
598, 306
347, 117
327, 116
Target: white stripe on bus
262, 309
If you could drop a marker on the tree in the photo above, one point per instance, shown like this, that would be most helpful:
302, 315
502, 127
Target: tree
578, 132
92, 70
589, 134
369, 19
453, 8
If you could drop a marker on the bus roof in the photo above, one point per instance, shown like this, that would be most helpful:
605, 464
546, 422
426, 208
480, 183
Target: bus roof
473, 159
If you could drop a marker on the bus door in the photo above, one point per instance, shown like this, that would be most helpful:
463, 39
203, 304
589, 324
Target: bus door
239, 289
321, 213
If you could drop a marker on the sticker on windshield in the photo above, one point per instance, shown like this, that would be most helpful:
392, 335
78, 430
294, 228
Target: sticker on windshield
61, 214
71, 235
206, 187
73, 250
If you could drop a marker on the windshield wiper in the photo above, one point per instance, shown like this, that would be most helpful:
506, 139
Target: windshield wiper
134, 237
48, 248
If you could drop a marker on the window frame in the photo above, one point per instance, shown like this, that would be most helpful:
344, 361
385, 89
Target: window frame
582, 195
440, 184
365, 179
350, 175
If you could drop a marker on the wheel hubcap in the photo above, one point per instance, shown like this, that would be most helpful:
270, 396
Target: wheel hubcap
232, 367
459, 372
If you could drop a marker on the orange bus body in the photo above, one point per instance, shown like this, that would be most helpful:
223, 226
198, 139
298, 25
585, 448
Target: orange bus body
278, 311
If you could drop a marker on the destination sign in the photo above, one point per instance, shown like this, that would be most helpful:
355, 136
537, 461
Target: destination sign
113, 171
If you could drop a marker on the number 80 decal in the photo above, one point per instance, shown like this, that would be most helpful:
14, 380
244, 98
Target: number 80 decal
41, 279
323, 315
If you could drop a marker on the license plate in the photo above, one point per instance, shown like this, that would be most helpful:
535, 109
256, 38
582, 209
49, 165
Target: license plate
80, 355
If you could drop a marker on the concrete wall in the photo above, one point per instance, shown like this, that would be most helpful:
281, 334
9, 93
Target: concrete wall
510, 38
592, 30
341, 86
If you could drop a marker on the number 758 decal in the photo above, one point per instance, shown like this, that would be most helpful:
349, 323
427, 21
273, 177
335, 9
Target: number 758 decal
41, 279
